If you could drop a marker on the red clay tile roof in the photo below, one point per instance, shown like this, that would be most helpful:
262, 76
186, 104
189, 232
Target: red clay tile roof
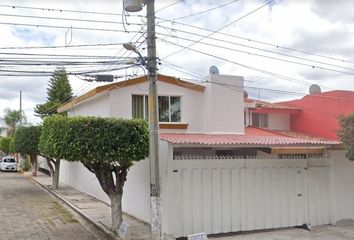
252, 136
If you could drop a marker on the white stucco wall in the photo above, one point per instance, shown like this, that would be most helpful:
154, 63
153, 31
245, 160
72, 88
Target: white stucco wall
135, 200
97, 106
136, 195
191, 101
77, 176
223, 105
42, 163
278, 121
343, 177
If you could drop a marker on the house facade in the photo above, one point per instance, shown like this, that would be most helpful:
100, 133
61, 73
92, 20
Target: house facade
320, 112
217, 175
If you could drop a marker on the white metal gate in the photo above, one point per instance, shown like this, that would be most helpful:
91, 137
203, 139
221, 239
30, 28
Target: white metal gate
230, 195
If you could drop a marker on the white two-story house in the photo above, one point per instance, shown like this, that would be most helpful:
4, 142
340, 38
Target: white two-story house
220, 171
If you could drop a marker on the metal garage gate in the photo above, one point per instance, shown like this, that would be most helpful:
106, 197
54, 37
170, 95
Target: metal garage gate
231, 195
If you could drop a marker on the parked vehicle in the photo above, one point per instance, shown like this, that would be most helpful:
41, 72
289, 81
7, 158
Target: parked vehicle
8, 164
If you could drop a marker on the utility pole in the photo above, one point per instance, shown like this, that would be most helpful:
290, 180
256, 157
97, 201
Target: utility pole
150, 64
155, 198
20, 107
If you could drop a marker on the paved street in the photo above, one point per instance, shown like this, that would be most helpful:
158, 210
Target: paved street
28, 212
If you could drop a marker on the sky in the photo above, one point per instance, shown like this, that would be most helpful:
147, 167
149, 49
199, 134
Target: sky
281, 47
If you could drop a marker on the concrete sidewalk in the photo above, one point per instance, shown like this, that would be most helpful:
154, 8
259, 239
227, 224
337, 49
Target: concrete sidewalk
94, 210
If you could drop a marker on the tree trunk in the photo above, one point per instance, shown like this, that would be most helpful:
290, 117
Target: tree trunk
114, 190
34, 164
55, 177
116, 211
54, 166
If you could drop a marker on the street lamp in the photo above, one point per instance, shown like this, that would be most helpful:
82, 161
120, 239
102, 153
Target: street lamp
132, 47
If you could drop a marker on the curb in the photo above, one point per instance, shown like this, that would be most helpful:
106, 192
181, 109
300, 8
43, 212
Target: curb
102, 228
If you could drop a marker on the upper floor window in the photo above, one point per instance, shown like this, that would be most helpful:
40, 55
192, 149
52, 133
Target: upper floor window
140, 108
169, 108
260, 120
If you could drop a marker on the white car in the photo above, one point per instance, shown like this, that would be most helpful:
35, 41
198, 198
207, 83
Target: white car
8, 164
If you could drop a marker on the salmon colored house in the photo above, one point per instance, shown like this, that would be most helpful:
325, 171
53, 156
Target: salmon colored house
319, 112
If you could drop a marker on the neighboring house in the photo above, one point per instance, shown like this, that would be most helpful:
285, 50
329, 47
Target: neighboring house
3, 128
267, 115
320, 111
217, 175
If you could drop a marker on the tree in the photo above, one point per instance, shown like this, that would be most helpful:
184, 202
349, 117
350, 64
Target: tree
346, 134
13, 119
12, 146
107, 147
26, 141
58, 91
5, 144
47, 146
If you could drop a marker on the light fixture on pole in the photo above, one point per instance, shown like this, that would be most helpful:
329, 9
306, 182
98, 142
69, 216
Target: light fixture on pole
132, 47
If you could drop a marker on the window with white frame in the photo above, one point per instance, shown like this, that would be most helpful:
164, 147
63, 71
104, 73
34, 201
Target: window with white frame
169, 108
260, 120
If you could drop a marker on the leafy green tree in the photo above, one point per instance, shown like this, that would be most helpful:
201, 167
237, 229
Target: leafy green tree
13, 118
5, 144
26, 141
107, 147
12, 148
58, 91
346, 134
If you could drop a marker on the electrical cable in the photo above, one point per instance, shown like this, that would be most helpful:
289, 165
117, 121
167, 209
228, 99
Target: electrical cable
258, 42
243, 65
167, 6
65, 27
63, 46
254, 48
66, 19
227, 25
205, 11
275, 58
61, 10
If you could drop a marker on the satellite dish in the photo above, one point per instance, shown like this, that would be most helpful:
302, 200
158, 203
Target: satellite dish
314, 89
213, 70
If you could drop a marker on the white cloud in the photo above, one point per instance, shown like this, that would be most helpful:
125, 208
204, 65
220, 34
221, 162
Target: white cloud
321, 27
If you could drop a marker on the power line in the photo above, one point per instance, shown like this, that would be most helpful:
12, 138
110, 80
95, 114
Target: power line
243, 65
62, 10
167, 6
66, 27
63, 46
205, 11
257, 41
66, 19
273, 58
227, 25
55, 55
250, 47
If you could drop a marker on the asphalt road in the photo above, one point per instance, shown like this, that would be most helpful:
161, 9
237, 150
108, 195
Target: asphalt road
28, 212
